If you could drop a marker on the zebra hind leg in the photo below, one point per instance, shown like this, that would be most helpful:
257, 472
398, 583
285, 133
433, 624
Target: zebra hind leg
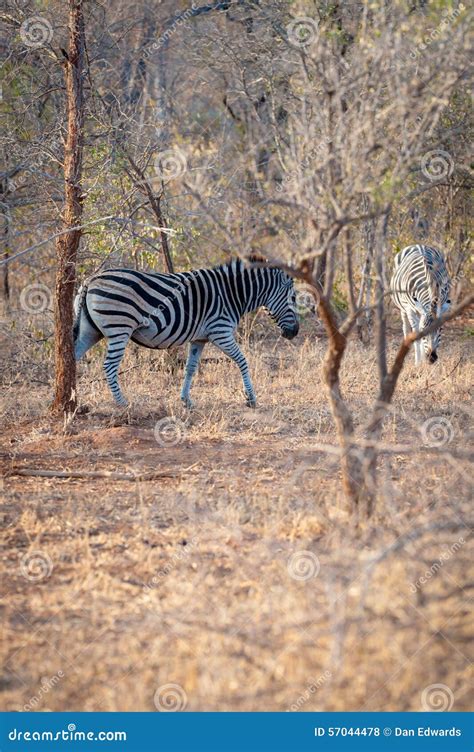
194, 356
115, 350
85, 337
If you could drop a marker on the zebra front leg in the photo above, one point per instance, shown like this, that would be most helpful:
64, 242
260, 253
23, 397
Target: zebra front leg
229, 346
406, 324
406, 331
413, 320
194, 356
115, 351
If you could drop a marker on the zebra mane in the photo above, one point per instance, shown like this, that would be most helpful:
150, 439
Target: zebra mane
240, 264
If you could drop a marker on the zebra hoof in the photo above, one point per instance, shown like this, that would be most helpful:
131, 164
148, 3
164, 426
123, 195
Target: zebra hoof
188, 404
251, 402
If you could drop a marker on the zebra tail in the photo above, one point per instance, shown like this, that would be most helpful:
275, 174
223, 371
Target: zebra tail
79, 302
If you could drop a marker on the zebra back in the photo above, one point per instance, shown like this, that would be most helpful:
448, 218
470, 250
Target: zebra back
420, 280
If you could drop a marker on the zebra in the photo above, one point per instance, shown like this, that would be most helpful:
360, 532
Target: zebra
420, 287
164, 310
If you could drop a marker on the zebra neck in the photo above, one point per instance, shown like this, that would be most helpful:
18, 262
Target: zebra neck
246, 289
259, 284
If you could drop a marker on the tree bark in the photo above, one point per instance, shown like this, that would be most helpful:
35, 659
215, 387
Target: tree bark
350, 466
68, 244
6, 255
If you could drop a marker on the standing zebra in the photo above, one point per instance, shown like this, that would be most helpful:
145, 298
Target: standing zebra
163, 310
420, 287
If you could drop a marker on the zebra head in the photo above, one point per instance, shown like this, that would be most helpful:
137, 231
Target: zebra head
432, 341
281, 303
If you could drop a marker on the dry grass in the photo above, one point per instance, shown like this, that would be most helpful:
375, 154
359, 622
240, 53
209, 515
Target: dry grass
192, 580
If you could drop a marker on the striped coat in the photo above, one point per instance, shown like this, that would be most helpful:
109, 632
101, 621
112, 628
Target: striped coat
420, 287
165, 310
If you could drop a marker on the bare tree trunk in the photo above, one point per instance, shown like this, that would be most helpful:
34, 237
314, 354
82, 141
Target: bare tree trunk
348, 267
67, 244
155, 203
364, 325
380, 318
350, 467
6, 254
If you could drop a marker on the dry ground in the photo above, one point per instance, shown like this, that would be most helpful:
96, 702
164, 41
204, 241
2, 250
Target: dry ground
237, 576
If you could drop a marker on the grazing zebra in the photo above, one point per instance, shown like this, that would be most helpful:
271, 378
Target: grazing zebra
163, 310
420, 287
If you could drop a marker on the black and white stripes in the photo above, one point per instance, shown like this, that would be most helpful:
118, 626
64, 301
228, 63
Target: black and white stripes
420, 286
164, 310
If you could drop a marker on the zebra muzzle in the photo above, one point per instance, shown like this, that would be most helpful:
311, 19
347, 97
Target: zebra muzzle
290, 332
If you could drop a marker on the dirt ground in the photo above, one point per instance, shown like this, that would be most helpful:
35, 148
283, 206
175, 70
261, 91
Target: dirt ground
216, 567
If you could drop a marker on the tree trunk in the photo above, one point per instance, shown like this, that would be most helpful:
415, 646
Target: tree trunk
350, 465
6, 254
155, 203
67, 244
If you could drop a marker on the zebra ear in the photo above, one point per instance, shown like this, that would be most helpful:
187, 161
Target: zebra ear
257, 258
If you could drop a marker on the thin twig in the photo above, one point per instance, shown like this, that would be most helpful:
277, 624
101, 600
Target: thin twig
109, 474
